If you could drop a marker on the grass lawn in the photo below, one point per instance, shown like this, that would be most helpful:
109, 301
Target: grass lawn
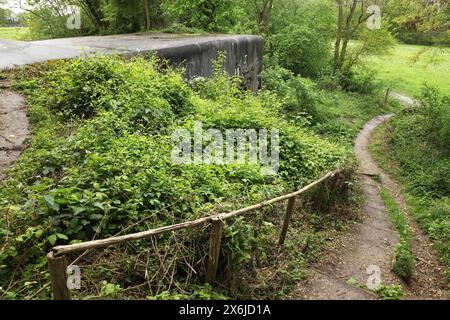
409, 74
12, 33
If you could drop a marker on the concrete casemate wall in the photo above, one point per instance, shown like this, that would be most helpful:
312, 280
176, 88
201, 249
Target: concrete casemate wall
243, 58
244, 53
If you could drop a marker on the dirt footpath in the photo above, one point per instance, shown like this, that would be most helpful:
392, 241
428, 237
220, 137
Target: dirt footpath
367, 248
370, 243
13, 126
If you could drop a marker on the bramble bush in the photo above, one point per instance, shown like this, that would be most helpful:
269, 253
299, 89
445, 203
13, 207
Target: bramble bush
301, 49
321, 105
99, 161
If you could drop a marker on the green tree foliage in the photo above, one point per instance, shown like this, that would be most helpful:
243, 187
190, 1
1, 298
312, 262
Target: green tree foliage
48, 19
299, 35
351, 16
208, 15
370, 43
123, 16
301, 49
6, 17
419, 21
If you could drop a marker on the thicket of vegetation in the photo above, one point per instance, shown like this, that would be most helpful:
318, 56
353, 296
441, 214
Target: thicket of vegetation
410, 21
6, 17
419, 22
415, 148
98, 162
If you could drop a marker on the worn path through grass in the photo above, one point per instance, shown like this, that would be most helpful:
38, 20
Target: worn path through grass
371, 243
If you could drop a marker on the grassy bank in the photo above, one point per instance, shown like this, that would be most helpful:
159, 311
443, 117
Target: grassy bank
408, 149
404, 259
12, 33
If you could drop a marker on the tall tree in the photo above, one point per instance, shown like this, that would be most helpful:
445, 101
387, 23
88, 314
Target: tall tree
419, 21
348, 24
95, 13
262, 11
148, 21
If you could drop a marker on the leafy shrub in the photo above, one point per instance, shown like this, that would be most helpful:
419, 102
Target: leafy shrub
212, 15
301, 49
102, 163
147, 98
391, 292
86, 86
300, 95
436, 111
361, 80
404, 261
180, 28
330, 80
276, 79
109, 289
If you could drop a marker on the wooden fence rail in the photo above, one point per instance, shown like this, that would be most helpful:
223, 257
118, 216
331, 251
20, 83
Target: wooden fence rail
57, 261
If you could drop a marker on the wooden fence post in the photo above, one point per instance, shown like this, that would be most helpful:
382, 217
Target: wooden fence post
214, 249
58, 275
287, 219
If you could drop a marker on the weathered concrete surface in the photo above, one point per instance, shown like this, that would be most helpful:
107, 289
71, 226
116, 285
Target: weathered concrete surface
195, 53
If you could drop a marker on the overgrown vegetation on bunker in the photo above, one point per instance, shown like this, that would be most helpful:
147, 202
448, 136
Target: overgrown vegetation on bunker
98, 163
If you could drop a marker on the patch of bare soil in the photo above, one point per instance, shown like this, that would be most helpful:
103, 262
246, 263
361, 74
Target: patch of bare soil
13, 126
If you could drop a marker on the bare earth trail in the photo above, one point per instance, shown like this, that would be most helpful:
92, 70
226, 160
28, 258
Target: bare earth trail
371, 242
13, 126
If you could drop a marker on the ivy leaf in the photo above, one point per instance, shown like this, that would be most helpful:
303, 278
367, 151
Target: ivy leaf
52, 239
51, 202
38, 233
62, 236
99, 205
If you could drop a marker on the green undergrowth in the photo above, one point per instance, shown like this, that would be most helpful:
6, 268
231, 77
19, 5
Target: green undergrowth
404, 259
390, 292
324, 107
98, 164
384, 292
413, 148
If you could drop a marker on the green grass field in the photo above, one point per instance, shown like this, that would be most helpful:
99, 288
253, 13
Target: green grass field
12, 33
410, 67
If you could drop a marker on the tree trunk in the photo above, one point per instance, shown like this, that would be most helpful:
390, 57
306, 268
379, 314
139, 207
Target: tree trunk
148, 25
94, 11
337, 45
347, 34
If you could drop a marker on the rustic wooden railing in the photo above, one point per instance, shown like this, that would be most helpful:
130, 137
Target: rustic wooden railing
57, 262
